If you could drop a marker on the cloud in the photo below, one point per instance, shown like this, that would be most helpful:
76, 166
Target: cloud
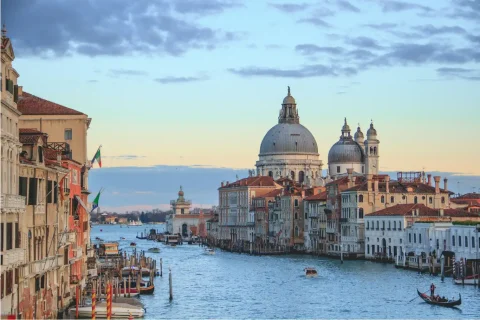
315, 21
203, 7
459, 73
430, 30
273, 46
466, 9
347, 6
364, 42
381, 26
125, 157
290, 7
111, 27
126, 72
309, 49
166, 80
144, 192
92, 81
308, 71
396, 6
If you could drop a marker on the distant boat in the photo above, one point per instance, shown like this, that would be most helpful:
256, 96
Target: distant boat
154, 250
210, 251
133, 244
134, 223
448, 303
119, 310
310, 272
474, 279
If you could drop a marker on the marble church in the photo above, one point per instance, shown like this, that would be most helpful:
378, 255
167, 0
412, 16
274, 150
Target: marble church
290, 150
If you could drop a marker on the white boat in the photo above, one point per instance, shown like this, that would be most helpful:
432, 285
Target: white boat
472, 280
310, 272
135, 223
209, 251
119, 310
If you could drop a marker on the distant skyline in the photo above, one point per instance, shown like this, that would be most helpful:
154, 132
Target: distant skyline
184, 82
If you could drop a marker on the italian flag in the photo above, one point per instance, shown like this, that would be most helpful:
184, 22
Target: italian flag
97, 157
95, 201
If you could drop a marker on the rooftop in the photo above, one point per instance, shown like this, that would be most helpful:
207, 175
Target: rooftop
258, 181
407, 209
29, 104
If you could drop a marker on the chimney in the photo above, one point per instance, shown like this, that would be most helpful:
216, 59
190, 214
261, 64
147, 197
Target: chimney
303, 194
350, 178
437, 184
369, 182
429, 182
222, 184
445, 184
387, 184
20, 90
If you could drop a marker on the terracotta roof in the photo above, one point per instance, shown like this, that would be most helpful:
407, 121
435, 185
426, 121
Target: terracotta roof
29, 130
28, 104
271, 194
322, 196
50, 154
469, 196
31, 136
397, 187
406, 210
258, 181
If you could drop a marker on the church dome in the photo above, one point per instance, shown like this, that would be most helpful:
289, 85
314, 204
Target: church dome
289, 100
372, 131
358, 136
288, 138
345, 151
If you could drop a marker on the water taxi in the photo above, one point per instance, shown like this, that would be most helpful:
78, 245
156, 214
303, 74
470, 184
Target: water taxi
310, 272
210, 251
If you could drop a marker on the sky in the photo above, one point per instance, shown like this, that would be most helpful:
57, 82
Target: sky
199, 83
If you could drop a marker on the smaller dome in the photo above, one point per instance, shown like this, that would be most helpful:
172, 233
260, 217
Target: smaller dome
180, 193
346, 127
371, 131
358, 135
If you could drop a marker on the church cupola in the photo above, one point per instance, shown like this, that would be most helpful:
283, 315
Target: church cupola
359, 137
289, 113
345, 130
372, 132
180, 195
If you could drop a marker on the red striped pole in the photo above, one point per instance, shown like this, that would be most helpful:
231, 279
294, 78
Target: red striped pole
94, 299
109, 301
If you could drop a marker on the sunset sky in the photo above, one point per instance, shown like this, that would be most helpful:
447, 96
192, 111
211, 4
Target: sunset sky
186, 82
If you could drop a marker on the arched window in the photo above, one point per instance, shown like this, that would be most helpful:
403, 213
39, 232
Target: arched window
389, 225
394, 225
292, 175
360, 213
360, 198
301, 176
415, 199
443, 199
383, 225
296, 231
382, 199
296, 202
392, 199
430, 200
374, 150
270, 174
40, 154
377, 225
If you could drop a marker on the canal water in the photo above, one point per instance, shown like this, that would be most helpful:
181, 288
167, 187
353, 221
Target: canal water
240, 286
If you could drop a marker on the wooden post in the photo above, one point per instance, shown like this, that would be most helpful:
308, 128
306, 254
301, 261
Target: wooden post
341, 254
109, 301
124, 287
129, 284
442, 266
76, 300
94, 298
161, 270
170, 283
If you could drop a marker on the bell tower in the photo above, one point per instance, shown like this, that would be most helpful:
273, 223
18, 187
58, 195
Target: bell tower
372, 151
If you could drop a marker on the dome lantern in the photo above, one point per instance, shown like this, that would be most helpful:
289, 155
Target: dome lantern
359, 137
289, 113
372, 132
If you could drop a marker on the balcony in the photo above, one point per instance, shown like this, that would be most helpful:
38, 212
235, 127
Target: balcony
349, 239
62, 147
313, 214
13, 257
343, 220
250, 223
40, 209
12, 203
41, 266
331, 229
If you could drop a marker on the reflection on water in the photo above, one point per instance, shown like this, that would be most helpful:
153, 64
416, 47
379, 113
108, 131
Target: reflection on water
228, 285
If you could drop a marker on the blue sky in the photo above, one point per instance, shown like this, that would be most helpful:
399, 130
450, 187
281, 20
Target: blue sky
186, 82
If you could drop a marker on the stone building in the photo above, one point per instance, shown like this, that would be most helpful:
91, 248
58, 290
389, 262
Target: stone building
315, 228
289, 149
12, 214
235, 219
260, 209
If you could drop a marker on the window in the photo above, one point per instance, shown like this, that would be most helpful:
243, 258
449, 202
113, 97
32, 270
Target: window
360, 213
338, 169
68, 134
296, 215
394, 225
368, 225
473, 242
182, 211
22, 186
389, 225
415, 199
383, 225
9, 236
296, 202
459, 241
453, 241
466, 242
438, 244
419, 238
40, 154
382, 199
301, 176
399, 225
392, 199
32, 192
18, 237
378, 225
410, 237
430, 200
296, 231
443, 199
414, 238
360, 198
306, 215
270, 174
49, 191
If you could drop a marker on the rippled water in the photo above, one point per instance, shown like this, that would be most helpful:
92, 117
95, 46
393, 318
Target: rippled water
230, 285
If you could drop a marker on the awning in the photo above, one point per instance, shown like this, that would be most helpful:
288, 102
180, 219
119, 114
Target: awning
448, 253
81, 203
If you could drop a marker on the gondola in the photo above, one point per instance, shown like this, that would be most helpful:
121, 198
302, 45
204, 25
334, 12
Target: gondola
449, 303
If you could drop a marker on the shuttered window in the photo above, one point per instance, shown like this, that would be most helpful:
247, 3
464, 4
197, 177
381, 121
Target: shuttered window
32, 191
22, 186
49, 191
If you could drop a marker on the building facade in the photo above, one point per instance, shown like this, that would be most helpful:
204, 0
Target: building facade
315, 227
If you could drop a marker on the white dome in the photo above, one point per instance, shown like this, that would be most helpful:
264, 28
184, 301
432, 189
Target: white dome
288, 138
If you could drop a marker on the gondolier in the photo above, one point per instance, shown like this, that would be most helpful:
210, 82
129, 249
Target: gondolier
432, 290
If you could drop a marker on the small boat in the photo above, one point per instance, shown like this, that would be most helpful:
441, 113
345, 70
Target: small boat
98, 239
154, 250
448, 303
122, 238
310, 272
119, 310
474, 279
133, 244
209, 251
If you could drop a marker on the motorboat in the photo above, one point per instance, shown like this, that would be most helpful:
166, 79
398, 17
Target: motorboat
154, 250
119, 310
210, 251
310, 272
472, 280
133, 244
133, 270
